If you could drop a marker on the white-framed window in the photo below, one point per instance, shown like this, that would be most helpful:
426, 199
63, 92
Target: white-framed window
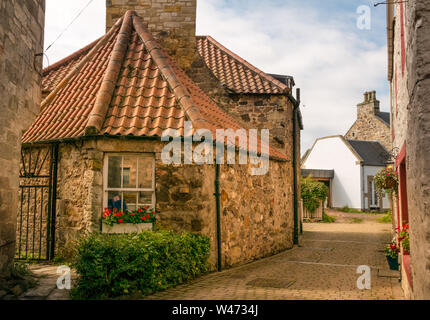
129, 181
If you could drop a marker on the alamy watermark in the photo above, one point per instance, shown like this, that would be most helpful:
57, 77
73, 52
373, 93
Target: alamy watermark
252, 149
364, 19
64, 280
364, 280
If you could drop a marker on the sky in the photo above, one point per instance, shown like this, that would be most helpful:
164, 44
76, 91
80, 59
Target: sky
317, 42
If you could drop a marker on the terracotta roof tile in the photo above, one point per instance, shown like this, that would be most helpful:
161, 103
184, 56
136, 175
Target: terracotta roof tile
236, 73
127, 85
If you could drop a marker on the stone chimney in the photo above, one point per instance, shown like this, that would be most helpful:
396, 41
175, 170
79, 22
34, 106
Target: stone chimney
369, 106
172, 22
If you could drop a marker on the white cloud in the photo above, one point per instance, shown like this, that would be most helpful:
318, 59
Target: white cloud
88, 27
331, 64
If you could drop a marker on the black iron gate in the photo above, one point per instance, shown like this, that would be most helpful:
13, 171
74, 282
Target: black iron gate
37, 203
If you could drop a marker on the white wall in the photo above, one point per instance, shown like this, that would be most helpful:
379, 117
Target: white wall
372, 171
333, 154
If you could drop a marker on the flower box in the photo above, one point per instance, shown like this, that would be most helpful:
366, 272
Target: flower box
126, 228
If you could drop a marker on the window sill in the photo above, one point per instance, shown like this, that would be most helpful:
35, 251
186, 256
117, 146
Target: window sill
126, 228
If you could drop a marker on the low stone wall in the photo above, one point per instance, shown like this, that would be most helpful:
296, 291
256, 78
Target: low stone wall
256, 211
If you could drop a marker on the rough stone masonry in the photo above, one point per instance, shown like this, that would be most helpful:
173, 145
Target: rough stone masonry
418, 143
21, 37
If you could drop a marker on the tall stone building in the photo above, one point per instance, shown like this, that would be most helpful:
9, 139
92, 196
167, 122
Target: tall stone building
408, 32
371, 123
150, 72
21, 40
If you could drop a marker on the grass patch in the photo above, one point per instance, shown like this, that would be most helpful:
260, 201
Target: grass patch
356, 220
349, 210
328, 219
387, 218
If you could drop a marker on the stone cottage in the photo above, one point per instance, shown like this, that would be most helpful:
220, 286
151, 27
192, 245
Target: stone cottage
372, 124
105, 111
21, 42
408, 75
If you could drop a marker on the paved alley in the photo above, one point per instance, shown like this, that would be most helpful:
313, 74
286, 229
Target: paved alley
323, 267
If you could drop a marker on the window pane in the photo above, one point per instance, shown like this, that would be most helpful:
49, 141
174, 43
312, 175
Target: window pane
114, 172
130, 172
145, 172
114, 200
130, 201
145, 198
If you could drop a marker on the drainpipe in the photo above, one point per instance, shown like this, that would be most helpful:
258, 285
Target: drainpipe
218, 215
53, 199
296, 205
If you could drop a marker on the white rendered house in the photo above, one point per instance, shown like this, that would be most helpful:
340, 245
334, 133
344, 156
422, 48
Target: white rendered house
350, 166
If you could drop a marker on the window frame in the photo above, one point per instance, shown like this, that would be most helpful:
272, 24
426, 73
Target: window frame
122, 190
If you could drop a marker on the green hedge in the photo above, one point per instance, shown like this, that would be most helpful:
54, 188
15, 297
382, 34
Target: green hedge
114, 265
313, 192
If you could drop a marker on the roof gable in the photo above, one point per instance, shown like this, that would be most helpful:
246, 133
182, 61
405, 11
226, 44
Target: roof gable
236, 73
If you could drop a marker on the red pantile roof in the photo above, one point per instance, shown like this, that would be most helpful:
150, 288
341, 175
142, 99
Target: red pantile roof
126, 84
53, 74
234, 72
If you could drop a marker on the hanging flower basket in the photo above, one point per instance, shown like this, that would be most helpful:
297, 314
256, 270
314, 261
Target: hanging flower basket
390, 183
387, 181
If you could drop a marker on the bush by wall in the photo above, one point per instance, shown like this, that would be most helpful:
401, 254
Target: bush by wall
114, 265
313, 192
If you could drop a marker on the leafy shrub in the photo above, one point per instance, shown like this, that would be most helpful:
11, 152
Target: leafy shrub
115, 265
313, 192
328, 219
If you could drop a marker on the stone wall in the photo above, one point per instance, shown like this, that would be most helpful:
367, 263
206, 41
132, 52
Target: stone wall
253, 226
21, 37
368, 126
418, 143
173, 23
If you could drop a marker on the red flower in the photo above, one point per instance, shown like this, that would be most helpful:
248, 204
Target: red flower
145, 207
143, 218
120, 221
140, 210
148, 216
132, 214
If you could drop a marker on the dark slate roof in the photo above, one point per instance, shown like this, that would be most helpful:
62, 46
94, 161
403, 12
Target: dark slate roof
384, 116
317, 173
372, 152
